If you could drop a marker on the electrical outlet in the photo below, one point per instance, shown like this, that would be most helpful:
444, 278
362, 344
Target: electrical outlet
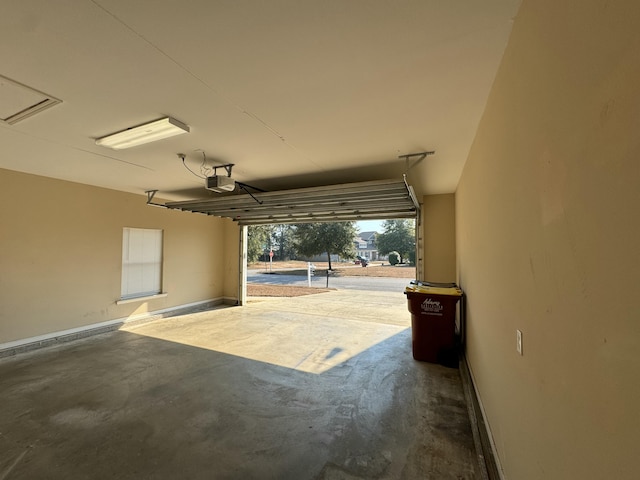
519, 341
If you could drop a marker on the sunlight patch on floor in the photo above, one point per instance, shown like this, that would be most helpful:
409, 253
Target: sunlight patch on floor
260, 333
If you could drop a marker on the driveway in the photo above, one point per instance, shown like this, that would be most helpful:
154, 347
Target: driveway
380, 284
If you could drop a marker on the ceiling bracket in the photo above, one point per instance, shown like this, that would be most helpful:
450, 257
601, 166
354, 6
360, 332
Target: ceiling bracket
150, 195
227, 168
420, 157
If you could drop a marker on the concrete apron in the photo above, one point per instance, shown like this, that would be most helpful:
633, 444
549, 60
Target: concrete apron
315, 387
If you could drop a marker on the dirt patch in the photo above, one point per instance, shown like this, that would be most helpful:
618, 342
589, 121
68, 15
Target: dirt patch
261, 290
376, 269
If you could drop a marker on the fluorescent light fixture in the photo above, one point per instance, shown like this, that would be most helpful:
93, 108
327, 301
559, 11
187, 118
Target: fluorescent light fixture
149, 132
219, 184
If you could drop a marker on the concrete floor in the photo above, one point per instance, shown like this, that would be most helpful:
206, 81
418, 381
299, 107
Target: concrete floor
318, 387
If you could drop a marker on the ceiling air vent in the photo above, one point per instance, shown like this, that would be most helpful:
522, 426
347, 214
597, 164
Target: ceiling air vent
18, 101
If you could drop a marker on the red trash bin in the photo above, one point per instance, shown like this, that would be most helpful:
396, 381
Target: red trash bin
433, 321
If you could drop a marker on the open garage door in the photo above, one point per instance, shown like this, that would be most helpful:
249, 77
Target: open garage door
375, 200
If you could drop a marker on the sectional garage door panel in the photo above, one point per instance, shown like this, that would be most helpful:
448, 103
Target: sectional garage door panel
385, 199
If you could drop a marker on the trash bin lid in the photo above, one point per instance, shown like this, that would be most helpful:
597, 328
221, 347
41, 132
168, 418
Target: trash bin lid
453, 291
434, 284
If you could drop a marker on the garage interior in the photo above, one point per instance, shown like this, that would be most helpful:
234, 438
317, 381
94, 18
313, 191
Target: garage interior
528, 202
320, 387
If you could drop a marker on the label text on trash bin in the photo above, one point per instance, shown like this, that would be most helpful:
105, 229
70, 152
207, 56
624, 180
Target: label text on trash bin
431, 307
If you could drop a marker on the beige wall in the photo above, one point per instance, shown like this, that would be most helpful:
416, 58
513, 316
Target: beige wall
439, 238
548, 242
61, 255
232, 261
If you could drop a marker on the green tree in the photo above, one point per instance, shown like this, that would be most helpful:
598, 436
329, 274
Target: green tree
283, 241
330, 238
399, 236
258, 239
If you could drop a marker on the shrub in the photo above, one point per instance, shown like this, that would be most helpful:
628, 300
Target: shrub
394, 258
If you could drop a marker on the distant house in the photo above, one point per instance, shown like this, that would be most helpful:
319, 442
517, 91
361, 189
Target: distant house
365, 243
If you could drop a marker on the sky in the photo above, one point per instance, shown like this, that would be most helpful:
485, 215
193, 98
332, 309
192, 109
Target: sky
370, 226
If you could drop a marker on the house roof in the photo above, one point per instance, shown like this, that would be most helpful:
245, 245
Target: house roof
366, 236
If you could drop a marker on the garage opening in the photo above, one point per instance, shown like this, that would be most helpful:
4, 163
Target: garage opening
351, 202
299, 259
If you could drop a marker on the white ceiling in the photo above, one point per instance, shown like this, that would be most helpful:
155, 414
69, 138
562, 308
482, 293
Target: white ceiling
295, 93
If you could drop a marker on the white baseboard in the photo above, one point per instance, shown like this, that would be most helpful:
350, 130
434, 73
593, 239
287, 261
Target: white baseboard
494, 451
230, 300
61, 336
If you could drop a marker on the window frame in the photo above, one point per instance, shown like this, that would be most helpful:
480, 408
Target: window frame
142, 264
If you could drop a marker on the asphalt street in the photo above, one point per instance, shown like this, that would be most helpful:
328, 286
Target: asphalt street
379, 284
